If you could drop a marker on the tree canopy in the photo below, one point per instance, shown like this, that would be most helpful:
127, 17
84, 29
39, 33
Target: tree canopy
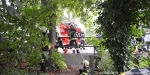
20, 23
21, 20
117, 19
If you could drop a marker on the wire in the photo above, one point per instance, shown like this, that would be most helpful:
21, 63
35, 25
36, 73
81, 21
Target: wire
82, 57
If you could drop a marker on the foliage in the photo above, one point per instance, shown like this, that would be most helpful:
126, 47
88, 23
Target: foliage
58, 61
93, 41
97, 42
106, 64
20, 23
117, 17
143, 61
137, 32
10, 8
90, 31
23, 35
83, 9
17, 72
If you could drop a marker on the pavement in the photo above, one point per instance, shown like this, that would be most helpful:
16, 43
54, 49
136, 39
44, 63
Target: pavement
75, 59
87, 50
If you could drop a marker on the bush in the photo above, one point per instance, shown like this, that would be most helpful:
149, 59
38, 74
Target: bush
58, 61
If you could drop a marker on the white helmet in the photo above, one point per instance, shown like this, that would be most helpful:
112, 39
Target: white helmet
43, 29
85, 63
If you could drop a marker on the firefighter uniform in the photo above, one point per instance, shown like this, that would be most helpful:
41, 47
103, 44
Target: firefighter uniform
82, 39
59, 43
58, 40
45, 46
73, 38
86, 69
43, 63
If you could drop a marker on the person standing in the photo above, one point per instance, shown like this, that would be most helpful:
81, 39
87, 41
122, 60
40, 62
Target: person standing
134, 42
73, 38
44, 63
82, 39
59, 40
143, 39
59, 43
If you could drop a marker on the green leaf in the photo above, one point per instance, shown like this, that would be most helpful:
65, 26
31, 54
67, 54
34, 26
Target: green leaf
18, 15
19, 4
11, 11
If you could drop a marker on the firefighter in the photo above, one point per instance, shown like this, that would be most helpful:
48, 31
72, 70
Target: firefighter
82, 39
73, 38
86, 68
44, 63
59, 42
58, 39
45, 46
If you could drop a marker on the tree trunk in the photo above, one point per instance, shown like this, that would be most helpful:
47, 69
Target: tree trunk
52, 32
97, 60
43, 2
1, 38
52, 23
91, 61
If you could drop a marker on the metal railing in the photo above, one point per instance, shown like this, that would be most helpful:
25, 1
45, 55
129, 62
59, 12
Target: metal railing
82, 37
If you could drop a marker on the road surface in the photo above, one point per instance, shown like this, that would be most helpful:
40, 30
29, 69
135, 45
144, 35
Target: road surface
88, 50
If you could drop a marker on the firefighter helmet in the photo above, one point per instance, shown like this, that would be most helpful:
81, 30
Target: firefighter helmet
85, 63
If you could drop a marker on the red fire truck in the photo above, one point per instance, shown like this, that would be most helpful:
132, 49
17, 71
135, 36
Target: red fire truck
64, 31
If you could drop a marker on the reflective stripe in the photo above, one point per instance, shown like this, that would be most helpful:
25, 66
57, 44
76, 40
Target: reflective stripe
42, 60
77, 48
87, 71
49, 47
123, 74
84, 73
